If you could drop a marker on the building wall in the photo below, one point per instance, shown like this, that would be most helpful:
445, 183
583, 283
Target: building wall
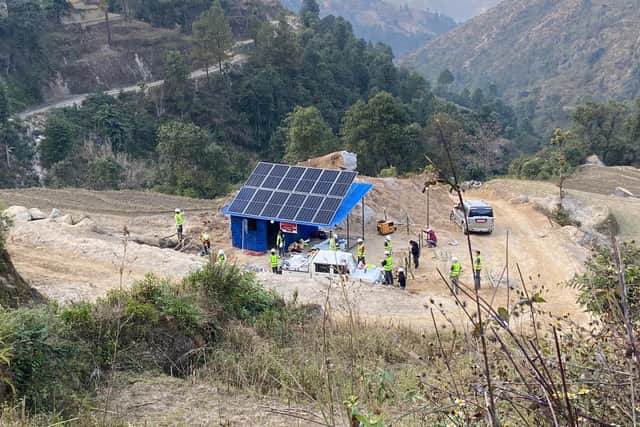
256, 239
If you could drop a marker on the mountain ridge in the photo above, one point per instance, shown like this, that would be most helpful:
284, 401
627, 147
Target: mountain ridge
549, 55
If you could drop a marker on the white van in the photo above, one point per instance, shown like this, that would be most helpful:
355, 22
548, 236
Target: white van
479, 214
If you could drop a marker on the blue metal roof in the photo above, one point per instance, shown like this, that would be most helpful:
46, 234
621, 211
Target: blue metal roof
356, 192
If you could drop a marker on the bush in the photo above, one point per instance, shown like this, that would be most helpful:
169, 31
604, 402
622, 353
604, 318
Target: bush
389, 172
105, 174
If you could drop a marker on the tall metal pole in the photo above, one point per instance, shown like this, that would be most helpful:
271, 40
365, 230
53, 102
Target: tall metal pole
348, 244
428, 203
362, 204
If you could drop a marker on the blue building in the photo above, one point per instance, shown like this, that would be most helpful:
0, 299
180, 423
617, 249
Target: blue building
298, 200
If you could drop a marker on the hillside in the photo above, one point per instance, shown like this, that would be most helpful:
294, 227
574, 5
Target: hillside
403, 28
545, 55
460, 10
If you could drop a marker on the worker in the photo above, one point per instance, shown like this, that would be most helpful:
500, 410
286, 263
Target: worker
206, 243
333, 242
273, 258
387, 244
415, 253
360, 252
179, 223
280, 243
432, 239
221, 257
454, 275
402, 278
477, 269
387, 266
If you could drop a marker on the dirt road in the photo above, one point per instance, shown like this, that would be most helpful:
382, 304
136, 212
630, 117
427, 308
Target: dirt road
79, 99
70, 262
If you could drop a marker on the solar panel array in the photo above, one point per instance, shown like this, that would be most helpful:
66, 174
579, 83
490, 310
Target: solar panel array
292, 193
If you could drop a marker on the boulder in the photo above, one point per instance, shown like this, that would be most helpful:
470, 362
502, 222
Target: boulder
521, 199
64, 219
593, 160
55, 213
18, 213
622, 192
36, 214
87, 224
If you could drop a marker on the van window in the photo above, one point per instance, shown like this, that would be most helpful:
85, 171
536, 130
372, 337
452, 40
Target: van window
481, 212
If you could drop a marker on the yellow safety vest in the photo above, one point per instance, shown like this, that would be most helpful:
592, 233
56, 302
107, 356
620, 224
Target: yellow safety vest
279, 241
455, 269
179, 219
477, 263
360, 250
387, 246
274, 260
388, 264
332, 244
222, 259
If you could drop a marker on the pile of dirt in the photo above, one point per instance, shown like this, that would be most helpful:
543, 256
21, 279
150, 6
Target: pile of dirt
342, 160
74, 260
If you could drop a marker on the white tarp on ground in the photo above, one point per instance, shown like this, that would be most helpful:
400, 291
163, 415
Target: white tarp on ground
342, 259
334, 258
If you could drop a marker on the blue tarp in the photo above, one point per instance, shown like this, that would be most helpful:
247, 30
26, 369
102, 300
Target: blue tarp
356, 192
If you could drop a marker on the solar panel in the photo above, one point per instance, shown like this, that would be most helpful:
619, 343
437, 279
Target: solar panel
339, 190
289, 212
254, 208
238, 206
331, 204
288, 184
293, 193
313, 202
272, 182
305, 215
323, 217
262, 196
271, 210
296, 200
346, 177
246, 193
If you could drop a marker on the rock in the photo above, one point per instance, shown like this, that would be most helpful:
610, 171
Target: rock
521, 199
64, 219
87, 224
622, 192
36, 214
55, 213
593, 160
18, 213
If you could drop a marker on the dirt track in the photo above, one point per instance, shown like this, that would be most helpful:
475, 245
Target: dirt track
68, 264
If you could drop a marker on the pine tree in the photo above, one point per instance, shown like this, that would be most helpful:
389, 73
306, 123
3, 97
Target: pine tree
213, 37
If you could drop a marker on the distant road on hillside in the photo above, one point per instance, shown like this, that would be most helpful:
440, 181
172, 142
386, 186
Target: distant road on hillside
78, 99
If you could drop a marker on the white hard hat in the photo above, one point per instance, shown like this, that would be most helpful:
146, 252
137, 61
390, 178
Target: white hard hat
388, 237
428, 229
359, 240
386, 253
454, 259
177, 210
335, 236
273, 250
401, 269
221, 252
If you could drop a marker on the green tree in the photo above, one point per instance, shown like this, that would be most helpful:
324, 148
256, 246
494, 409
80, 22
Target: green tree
307, 135
381, 134
58, 8
105, 174
213, 37
445, 78
4, 103
309, 12
602, 129
178, 89
599, 287
190, 163
59, 139
277, 45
